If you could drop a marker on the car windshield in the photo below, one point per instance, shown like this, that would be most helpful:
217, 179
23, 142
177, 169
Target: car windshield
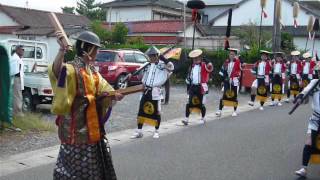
106, 56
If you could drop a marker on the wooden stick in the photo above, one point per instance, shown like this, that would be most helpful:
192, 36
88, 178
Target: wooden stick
58, 27
126, 91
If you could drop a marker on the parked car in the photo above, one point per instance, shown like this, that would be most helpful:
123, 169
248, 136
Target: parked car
114, 65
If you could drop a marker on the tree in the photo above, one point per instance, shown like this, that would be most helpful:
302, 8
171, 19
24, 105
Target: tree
104, 34
249, 35
91, 10
119, 33
287, 44
67, 10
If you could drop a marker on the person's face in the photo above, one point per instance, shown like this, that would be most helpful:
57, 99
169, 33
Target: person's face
20, 51
295, 58
278, 59
94, 53
197, 60
153, 58
232, 55
264, 57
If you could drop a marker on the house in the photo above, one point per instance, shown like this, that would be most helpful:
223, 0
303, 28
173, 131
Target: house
171, 32
144, 10
246, 11
160, 32
30, 24
215, 8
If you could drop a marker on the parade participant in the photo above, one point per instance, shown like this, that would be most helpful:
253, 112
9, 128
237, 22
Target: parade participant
311, 148
230, 73
18, 84
259, 88
154, 76
294, 73
82, 111
307, 69
197, 87
278, 78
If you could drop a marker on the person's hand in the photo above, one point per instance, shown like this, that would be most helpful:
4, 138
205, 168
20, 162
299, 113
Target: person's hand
59, 36
129, 76
209, 67
118, 96
170, 66
298, 99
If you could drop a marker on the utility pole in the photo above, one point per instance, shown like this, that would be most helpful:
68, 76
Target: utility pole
276, 33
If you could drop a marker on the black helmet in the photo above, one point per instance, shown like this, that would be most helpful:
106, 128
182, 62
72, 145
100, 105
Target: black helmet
89, 37
152, 51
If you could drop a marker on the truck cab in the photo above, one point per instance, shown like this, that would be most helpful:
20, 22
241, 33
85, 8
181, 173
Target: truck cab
37, 87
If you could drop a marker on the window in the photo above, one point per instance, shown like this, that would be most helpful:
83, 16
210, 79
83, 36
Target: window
205, 19
106, 56
129, 57
39, 53
29, 51
140, 58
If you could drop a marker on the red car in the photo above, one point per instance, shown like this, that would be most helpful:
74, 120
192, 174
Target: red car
114, 65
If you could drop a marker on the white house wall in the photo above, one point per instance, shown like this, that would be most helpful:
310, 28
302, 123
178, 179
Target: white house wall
250, 11
189, 32
129, 14
213, 11
7, 36
5, 20
300, 42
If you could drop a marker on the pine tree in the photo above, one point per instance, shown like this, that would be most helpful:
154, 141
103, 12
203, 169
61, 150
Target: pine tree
68, 10
91, 10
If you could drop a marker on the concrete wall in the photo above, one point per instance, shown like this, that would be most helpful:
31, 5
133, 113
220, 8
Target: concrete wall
189, 32
7, 36
250, 11
212, 43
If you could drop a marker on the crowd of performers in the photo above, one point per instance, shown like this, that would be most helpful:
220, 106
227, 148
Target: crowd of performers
83, 99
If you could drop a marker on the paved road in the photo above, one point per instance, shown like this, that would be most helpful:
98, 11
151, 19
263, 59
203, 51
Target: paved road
125, 112
253, 146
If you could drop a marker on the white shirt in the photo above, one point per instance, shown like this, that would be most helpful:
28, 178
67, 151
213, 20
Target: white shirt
261, 68
230, 68
155, 76
294, 68
16, 66
306, 68
277, 68
196, 74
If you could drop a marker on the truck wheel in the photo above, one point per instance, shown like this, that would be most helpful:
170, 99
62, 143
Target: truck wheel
27, 103
120, 84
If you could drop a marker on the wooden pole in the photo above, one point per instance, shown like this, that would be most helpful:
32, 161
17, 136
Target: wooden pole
58, 27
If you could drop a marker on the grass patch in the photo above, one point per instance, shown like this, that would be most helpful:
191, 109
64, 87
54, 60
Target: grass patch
33, 122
